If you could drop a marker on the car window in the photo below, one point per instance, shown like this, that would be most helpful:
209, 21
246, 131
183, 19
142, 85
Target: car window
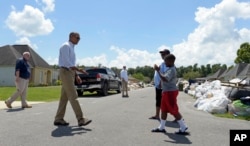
97, 70
111, 72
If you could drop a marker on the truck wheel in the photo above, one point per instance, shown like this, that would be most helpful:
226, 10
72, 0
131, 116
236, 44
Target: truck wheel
119, 88
105, 89
79, 92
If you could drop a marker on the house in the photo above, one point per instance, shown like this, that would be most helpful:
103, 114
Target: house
41, 72
216, 75
234, 72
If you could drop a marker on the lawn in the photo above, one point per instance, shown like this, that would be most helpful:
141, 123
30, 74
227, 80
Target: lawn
46, 94
232, 116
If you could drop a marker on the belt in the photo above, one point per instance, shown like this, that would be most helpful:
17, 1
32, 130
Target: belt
64, 67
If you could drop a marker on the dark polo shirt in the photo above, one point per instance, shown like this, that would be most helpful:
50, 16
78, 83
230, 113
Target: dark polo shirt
23, 67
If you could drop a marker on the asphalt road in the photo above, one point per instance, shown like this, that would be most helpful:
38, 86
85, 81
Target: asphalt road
117, 121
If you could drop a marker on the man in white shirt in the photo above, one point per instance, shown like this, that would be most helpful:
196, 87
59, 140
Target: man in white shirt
124, 78
68, 75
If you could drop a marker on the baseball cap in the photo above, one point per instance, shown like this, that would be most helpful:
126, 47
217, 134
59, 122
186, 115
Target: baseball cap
166, 51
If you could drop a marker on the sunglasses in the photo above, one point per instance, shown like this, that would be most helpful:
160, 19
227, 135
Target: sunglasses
77, 37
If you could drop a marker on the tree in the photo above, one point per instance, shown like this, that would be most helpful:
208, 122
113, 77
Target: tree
243, 54
224, 66
180, 71
131, 71
195, 67
216, 67
138, 76
203, 71
191, 75
209, 70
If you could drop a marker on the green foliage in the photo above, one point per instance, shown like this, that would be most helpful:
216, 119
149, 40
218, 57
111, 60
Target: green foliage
243, 53
203, 71
191, 75
147, 79
231, 116
208, 69
138, 76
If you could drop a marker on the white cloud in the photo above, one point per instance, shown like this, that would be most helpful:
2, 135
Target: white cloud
29, 22
130, 58
216, 39
26, 41
93, 61
52, 60
133, 57
49, 5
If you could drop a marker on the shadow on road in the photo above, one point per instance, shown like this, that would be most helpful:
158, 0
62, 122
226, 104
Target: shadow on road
96, 95
61, 131
172, 124
178, 139
14, 110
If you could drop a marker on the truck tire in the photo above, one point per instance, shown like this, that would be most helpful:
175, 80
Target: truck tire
79, 92
105, 89
119, 88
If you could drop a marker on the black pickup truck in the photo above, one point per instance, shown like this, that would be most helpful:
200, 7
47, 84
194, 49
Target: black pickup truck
100, 80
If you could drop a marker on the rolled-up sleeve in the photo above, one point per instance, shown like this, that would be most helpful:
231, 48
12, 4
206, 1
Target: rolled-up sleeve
67, 56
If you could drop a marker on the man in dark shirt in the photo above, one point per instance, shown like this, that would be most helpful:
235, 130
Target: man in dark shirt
22, 73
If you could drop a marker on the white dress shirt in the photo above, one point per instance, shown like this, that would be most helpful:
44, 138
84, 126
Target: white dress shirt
124, 74
67, 57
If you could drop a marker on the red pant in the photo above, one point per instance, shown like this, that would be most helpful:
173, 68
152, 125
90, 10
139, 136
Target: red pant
169, 102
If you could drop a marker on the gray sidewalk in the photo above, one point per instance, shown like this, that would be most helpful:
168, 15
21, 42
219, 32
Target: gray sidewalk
16, 104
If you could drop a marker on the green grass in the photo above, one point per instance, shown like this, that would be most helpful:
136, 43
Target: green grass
42, 94
46, 94
231, 116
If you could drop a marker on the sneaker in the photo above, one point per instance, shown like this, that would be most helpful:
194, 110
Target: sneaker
8, 104
154, 118
158, 130
182, 132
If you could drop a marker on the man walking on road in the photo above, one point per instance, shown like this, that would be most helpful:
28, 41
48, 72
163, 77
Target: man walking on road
68, 75
22, 73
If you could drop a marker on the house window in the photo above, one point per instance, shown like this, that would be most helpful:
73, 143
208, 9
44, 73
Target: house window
41, 77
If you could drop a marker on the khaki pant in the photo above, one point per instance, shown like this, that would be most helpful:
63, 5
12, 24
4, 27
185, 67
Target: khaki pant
21, 86
68, 93
124, 87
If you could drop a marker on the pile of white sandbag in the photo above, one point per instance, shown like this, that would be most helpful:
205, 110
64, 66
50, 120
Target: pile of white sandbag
211, 97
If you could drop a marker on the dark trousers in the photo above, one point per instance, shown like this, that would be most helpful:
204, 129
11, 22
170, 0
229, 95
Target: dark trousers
158, 97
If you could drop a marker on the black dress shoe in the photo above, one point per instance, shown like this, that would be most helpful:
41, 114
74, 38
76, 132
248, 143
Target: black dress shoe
61, 123
84, 122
